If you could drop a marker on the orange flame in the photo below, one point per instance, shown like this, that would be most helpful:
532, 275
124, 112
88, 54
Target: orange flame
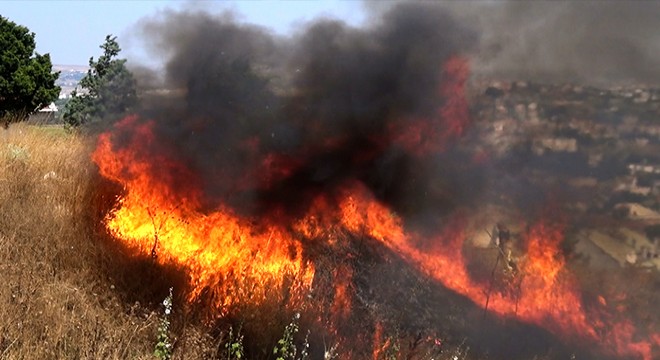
221, 252
547, 296
239, 261
341, 305
377, 341
423, 136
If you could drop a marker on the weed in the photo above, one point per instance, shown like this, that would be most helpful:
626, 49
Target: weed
234, 345
286, 348
163, 350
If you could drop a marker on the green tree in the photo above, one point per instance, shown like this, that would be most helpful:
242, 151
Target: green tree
27, 80
108, 89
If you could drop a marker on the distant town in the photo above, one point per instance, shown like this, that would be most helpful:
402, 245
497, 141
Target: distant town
600, 146
70, 76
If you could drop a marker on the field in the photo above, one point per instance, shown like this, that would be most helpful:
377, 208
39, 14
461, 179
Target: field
71, 291
62, 296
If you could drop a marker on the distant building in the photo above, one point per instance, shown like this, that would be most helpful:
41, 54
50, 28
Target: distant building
639, 212
50, 108
542, 145
623, 247
45, 115
644, 168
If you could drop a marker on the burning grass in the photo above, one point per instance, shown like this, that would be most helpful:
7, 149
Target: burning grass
309, 262
71, 290
54, 303
59, 296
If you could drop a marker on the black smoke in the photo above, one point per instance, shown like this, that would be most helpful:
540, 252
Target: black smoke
268, 122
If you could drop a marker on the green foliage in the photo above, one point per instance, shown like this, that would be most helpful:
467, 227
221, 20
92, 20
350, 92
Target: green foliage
108, 89
163, 350
27, 82
286, 348
234, 345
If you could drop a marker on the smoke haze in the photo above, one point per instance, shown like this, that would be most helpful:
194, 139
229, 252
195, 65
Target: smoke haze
593, 42
266, 125
268, 122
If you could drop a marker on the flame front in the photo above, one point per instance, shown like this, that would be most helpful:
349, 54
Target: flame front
244, 260
220, 251
546, 294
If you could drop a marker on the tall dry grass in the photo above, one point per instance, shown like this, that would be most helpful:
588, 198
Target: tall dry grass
68, 292
56, 301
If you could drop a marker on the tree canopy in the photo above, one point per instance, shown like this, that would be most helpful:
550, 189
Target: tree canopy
107, 91
27, 80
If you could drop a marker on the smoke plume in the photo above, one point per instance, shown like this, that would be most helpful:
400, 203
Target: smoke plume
598, 42
267, 122
593, 42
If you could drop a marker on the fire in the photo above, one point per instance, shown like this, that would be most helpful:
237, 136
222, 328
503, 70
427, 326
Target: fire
377, 341
341, 305
546, 294
220, 251
237, 259
424, 136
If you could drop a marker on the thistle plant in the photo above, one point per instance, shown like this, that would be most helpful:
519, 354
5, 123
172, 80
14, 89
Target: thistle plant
234, 345
163, 350
304, 352
285, 348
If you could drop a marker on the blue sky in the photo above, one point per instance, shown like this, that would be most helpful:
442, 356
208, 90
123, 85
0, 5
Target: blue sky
71, 31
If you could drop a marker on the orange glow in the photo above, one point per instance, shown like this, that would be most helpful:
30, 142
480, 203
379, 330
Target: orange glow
547, 295
220, 251
341, 305
423, 136
377, 341
235, 259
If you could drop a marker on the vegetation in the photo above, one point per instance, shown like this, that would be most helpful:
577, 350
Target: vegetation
70, 292
27, 82
108, 89
652, 231
234, 345
286, 347
55, 301
163, 350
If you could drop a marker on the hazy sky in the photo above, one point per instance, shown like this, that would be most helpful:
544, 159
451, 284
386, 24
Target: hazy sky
597, 42
72, 31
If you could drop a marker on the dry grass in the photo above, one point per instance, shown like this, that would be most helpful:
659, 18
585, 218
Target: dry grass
67, 291
54, 301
